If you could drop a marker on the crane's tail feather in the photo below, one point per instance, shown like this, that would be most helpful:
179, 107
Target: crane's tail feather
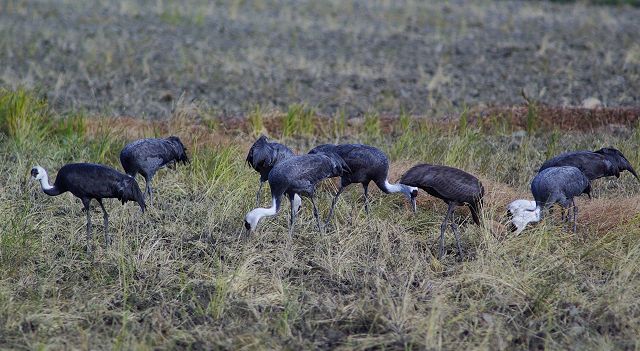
633, 171
339, 165
131, 192
180, 149
476, 208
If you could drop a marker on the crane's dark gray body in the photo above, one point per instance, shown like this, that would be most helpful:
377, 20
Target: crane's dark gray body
299, 175
559, 185
147, 156
605, 162
367, 164
263, 156
93, 181
454, 186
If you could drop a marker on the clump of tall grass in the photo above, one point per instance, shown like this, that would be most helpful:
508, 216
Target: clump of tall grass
256, 121
211, 167
24, 116
372, 128
339, 124
298, 121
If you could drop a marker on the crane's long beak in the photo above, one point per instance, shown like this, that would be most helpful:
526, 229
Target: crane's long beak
244, 232
414, 205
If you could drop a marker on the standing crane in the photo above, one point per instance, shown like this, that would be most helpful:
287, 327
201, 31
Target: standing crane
147, 156
263, 156
454, 186
552, 185
367, 164
297, 175
88, 181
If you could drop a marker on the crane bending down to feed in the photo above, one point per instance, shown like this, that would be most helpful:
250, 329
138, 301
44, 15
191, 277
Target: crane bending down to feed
89, 181
454, 186
147, 156
553, 185
367, 164
263, 156
606, 162
297, 175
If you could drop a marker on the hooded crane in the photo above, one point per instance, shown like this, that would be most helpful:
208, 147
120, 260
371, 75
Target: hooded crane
605, 162
553, 185
367, 164
454, 186
88, 181
147, 156
297, 175
263, 156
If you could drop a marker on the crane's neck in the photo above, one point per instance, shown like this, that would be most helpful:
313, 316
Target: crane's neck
400, 188
255, 215
46, 187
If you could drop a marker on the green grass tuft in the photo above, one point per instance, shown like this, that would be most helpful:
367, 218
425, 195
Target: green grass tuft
24, 117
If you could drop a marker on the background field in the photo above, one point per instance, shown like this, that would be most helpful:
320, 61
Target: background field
431, 81
138, 57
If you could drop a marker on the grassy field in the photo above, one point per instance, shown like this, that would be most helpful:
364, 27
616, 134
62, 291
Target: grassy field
179, 275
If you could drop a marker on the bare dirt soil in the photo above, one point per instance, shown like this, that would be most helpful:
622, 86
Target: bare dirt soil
430, 57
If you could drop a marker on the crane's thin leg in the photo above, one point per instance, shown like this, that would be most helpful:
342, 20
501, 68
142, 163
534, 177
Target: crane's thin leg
365, 187
315, 212
258, 194
148, 183
86, 203
575, 214
443, 227
293, 217
564, 219
454, 227
105, 216
333, 203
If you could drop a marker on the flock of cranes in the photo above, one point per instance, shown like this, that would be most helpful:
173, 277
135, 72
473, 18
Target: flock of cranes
559, 180
564, 177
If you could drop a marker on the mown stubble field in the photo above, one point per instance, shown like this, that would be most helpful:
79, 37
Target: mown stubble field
137, 58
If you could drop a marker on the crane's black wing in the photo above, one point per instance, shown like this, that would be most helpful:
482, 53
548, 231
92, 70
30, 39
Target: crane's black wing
593, 165
447, 183
148, 155
90, 180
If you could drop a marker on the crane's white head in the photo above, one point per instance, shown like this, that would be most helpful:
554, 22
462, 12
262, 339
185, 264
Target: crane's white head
523, 212
38, 173
251, 220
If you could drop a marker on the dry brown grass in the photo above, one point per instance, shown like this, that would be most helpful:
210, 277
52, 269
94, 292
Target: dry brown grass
604, 215
549, 118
